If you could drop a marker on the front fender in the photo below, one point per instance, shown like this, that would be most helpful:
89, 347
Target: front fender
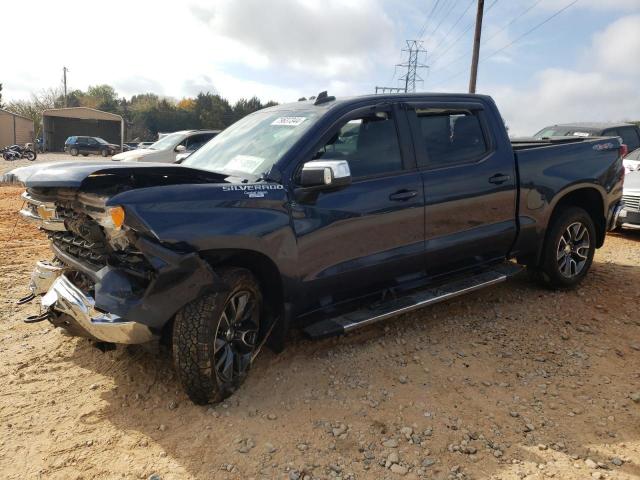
204, 217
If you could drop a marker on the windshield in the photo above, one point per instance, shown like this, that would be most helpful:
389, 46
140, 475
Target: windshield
168, 142
99, 140
254, 144
635, 155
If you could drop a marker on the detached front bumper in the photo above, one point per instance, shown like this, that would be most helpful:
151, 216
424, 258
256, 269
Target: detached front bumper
117, 311
68, 307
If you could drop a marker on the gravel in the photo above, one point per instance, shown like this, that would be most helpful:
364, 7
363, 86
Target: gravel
511, 382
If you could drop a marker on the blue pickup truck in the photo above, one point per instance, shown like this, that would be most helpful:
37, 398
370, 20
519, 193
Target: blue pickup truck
327, 215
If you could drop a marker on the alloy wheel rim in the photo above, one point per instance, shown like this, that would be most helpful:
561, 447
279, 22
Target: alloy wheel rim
573, 250
236, 336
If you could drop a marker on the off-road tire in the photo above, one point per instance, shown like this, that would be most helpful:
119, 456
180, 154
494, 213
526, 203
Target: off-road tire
549, 272
74, 152
194, 335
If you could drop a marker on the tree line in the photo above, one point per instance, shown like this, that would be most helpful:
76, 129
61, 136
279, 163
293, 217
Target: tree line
146, 114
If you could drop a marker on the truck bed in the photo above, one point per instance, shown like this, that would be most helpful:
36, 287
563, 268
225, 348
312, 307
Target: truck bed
547, 167
524, 143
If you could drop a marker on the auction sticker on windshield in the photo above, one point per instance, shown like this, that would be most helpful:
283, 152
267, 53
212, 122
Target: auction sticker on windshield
244, 163
288, 121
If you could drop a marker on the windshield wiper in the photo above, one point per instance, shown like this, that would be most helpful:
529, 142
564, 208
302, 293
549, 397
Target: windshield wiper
272, 175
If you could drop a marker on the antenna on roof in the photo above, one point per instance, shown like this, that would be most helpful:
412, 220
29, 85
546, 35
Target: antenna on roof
323, 98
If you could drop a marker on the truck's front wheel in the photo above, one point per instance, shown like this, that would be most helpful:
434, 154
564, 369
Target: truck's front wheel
215, 336
569, 248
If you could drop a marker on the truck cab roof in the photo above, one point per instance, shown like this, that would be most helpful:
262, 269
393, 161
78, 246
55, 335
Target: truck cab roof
379, 98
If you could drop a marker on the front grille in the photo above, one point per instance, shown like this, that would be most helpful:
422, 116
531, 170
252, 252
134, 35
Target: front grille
81, 249
85, 241
631, 202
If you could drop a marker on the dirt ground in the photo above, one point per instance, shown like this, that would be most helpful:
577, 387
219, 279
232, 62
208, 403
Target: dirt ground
511, 382
5, 166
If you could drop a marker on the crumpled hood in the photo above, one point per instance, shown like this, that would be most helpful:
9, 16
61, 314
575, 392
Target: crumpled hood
137, 153
73, 174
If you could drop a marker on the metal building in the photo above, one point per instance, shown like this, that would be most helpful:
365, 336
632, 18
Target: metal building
58, 124
15, 129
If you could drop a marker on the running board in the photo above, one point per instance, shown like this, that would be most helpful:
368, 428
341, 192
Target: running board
383, 310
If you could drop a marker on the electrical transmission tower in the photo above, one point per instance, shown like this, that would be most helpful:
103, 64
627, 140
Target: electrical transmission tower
412, 64
414, 49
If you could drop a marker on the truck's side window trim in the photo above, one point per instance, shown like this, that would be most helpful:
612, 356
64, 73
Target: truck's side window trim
425, 161
405, 156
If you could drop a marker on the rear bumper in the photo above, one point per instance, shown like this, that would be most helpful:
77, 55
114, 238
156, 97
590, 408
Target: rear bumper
628, 218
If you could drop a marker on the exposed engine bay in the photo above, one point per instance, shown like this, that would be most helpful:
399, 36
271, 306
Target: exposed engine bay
82, 231
106, 281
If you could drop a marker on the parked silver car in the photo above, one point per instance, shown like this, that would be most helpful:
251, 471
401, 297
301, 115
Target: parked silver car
630, 213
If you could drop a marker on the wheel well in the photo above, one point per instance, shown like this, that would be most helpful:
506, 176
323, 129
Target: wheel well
590, 200
265, 271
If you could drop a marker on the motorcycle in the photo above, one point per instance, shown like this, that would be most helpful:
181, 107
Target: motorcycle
16, 152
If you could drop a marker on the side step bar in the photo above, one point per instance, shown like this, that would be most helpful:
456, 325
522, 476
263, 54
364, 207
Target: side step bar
407, 303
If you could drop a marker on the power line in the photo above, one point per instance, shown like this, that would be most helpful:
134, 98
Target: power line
444, 17
501, 49
426, 22
459, 37
522, 14
533, 29
454, 25
485, 41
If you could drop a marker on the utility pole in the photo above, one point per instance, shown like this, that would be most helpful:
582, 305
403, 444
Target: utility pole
476, 48
64, 82
414, 50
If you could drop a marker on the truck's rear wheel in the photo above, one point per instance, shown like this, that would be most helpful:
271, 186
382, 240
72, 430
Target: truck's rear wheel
569, 248
215, 336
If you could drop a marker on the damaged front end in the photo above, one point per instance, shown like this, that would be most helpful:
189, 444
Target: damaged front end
106, 281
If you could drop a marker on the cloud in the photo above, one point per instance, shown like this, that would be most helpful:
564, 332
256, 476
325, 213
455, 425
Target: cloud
193, 86
137, 84
617, 48
608, 5
563, 96
330, 38
604, 86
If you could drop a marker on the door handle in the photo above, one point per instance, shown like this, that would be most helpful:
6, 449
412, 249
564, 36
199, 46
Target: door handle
498, 178
403, 195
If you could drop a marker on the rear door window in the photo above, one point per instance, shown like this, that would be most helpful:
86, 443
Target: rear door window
449, 137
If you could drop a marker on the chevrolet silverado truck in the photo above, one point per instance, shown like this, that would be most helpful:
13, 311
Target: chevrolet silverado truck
327, 215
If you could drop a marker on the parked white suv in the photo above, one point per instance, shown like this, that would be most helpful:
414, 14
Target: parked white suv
166, 149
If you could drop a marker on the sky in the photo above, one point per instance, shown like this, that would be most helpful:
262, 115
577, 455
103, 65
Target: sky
581, 65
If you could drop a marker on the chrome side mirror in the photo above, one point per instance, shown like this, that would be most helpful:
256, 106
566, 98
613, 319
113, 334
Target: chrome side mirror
325, 173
